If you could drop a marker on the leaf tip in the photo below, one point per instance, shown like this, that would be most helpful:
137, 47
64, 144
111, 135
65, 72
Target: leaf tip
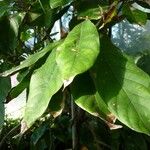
67, 82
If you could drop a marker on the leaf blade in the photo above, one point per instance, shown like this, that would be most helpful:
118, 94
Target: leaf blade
30, 60
124, 87
75, 56
42, 89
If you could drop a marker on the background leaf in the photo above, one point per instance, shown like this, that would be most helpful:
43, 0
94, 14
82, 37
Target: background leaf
18, 89
31, 59
57, 3
134, 15
5, 85
89, 99
89, 9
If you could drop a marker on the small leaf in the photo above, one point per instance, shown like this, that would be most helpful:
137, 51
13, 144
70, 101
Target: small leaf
92, 14
75, 56
9, 28
135, 15
57, 3
18, 89
89, 9
45, 82
124, 87
38, 133
4, 7
31, 59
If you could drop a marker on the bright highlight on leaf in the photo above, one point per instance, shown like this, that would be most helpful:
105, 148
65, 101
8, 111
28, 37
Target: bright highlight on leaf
79, 50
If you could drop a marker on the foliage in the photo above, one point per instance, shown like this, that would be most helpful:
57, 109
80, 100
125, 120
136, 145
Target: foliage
83, 67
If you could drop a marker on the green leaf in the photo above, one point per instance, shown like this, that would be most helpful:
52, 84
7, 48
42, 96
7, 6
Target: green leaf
3, 8
135, 15
92, 14
31, 59
124, 87
143, 4
87, 98
90, 10
9, 28
5, 85
15, 21
57, 3
48, 17
45, 82
56, 104
17, 90
38, 133
140, 16
26, 35
133, 140
79, 50
41, 14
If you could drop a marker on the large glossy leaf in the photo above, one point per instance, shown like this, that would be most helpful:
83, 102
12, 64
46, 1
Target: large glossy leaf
45, 82
31, 59
79, 50
124, 87
86, 97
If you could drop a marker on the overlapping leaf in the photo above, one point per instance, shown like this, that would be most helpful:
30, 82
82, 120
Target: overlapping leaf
85, 96
48, 79
56, 104
79, 50
4, 7
89, 9
124, 87
31, 59
45, 82
134, 15
18, 89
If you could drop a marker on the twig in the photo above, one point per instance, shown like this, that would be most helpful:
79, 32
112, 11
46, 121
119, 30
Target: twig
8, 134
74, 141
